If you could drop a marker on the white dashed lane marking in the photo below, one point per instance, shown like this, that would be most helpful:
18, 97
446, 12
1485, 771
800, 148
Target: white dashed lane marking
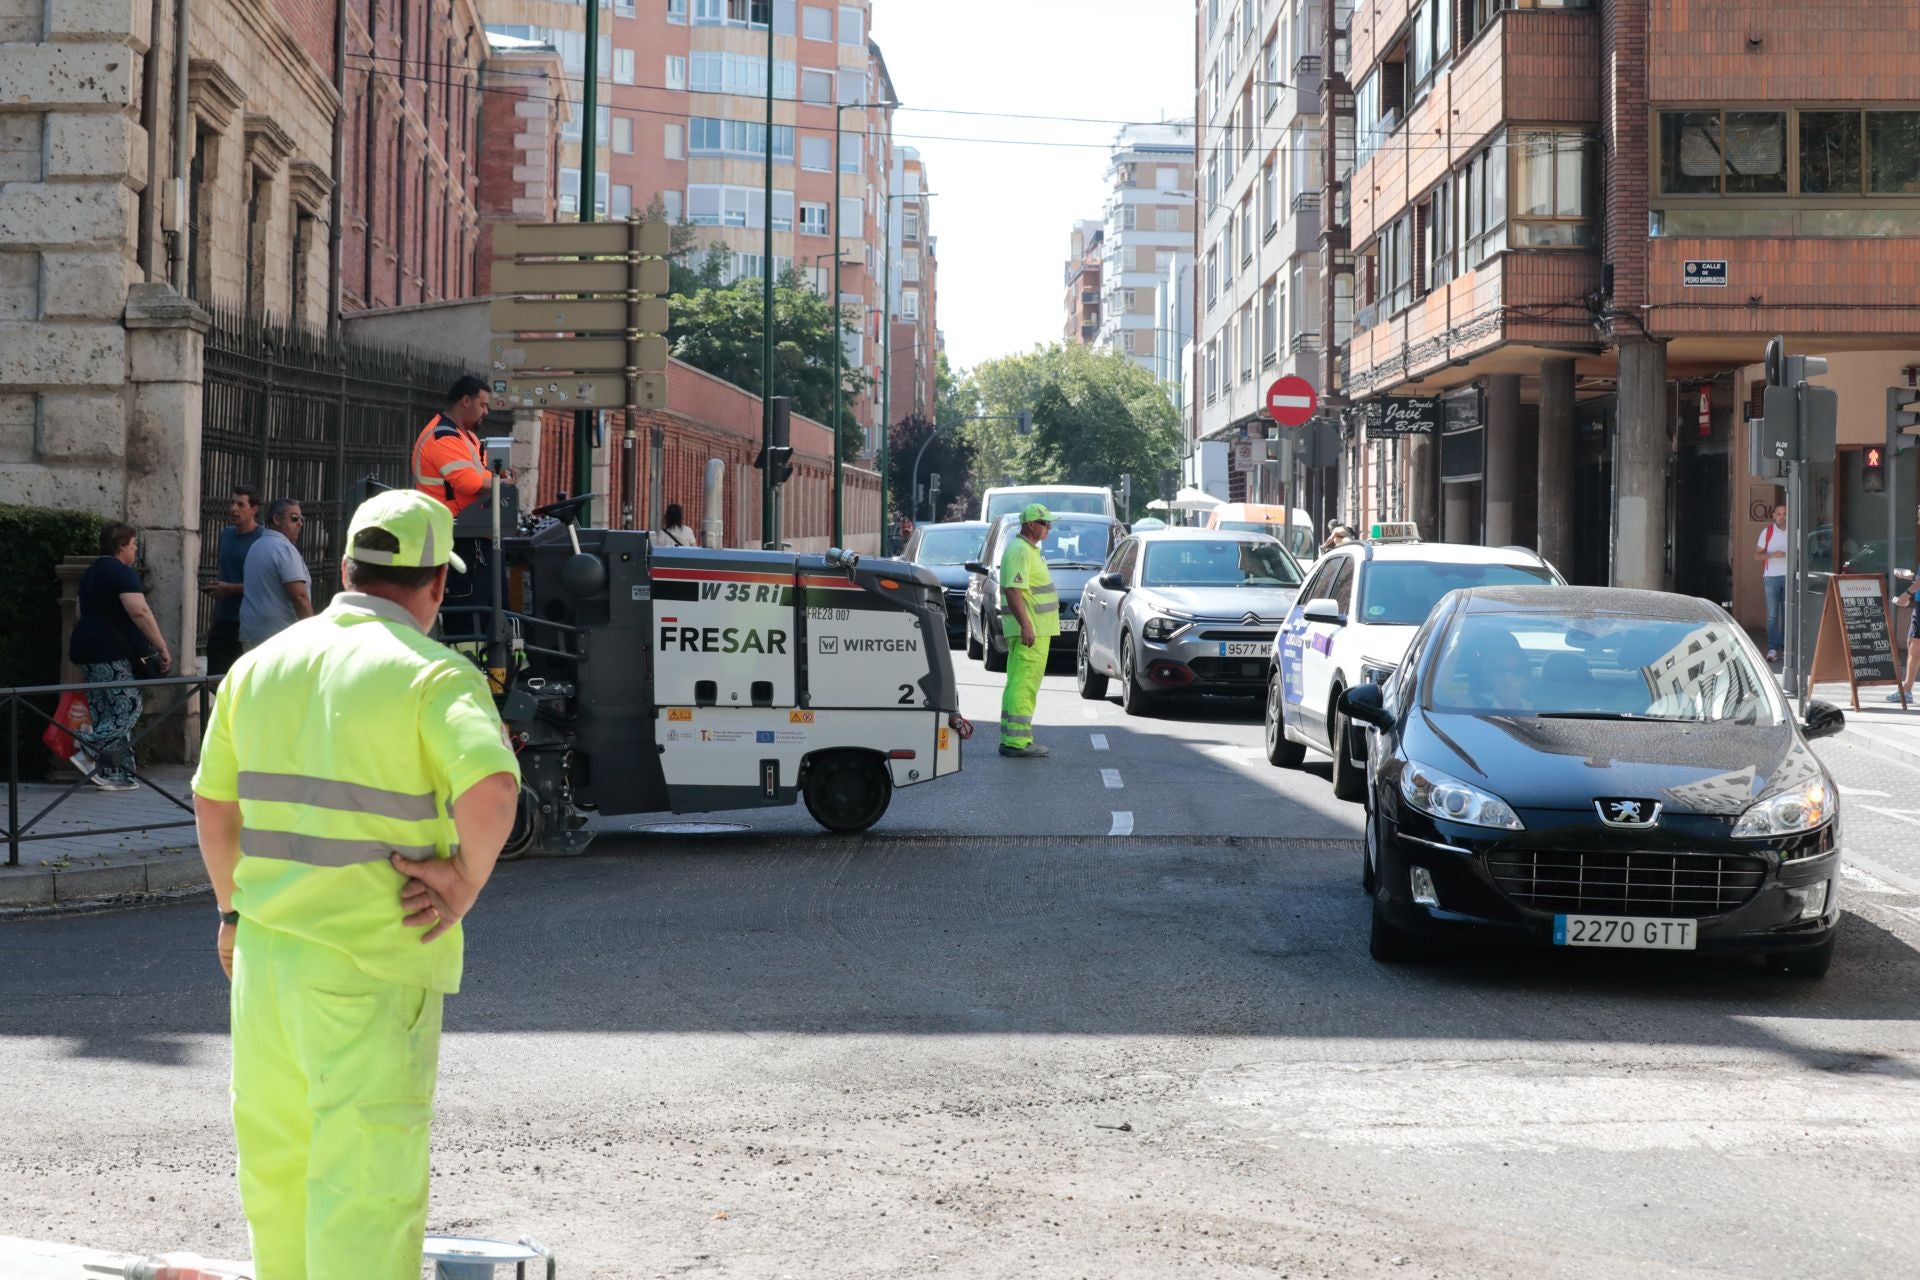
1099, 742
1122, 823
1112, 778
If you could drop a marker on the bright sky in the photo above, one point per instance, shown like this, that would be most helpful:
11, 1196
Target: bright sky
1003, 213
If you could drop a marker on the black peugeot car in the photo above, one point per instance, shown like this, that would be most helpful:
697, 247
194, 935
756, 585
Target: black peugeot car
945, 549
1594, 767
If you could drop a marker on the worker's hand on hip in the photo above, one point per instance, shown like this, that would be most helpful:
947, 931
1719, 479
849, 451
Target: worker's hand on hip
1026, 636
223, 944
435, 894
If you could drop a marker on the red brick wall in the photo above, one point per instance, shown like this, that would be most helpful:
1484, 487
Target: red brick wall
1809, 286
1827, 51
1623, 146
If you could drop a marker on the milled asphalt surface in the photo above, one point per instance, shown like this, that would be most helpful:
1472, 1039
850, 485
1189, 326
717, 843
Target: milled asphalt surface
933, 1052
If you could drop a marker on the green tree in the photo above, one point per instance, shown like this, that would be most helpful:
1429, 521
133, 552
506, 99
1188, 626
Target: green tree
949, 451
1096, 415
717, 328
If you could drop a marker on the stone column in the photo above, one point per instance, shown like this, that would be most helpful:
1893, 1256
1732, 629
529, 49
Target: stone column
1556, 462
1641, 453
165, 362
1422, 480
1500, 463
526, 455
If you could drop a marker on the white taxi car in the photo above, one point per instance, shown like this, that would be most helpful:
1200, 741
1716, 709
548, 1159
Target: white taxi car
1351, 624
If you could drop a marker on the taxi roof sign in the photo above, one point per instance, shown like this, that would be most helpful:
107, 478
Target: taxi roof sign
1393, 531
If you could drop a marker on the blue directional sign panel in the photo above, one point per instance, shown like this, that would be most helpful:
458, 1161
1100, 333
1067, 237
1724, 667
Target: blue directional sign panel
1706, 273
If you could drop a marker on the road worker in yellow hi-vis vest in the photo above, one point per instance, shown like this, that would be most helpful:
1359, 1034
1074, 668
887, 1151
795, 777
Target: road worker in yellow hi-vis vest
354, 790
1030, 617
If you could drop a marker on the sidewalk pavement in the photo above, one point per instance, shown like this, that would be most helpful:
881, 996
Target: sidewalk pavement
1883, 727
155, 857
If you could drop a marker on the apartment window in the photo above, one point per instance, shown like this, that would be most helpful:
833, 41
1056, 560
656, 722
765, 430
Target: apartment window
813, 219
910, 224
1269, 324
1166, 219
1480, 196
622, 201
569, 193
1269, 201
853, 218
910, 267
717, 206
1213, 275
676, 10
622, 137
1226, 244
1396, 266
1477, 15
1432, 38
624, 8
1246, 229
1129, 218
850, 153
816, 154
623, 66
1246, 343
1270, 72
910, 303
1892, 146
1213, 370
1550, 190
676, 72
1723, 152
853, 87
816, 23
816, 86
1441, 238
783, 17
1226, 358
782, 210
676, 142
674, 202
602, 122
852, 26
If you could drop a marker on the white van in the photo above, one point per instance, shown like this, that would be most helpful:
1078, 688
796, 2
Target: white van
1081, 499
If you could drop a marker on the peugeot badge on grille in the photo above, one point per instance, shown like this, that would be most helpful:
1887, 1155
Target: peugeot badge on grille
1622, 811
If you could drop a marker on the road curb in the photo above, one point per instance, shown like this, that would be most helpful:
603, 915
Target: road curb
1880, 745
65, 886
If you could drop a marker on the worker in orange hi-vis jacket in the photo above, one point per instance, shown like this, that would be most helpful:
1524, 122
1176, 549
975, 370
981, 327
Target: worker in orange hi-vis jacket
449, 461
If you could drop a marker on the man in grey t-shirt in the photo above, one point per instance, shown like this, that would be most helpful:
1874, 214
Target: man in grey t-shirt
277, 582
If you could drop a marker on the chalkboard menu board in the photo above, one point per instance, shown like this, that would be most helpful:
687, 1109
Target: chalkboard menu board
1856, 638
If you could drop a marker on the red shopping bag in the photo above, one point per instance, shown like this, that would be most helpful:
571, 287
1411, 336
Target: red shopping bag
70, 718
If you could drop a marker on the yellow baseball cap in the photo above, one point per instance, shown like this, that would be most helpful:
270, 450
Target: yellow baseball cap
422, 526
1035, 511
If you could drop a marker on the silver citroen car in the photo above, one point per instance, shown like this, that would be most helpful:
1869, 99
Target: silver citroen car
1184, 610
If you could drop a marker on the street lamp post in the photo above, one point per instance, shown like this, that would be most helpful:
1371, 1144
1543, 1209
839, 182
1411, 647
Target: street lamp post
839, 338
769, 519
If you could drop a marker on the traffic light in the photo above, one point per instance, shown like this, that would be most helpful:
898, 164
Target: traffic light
1126, 496
1025, 421
1903, 419
1800, 420
782, 449
1873, 469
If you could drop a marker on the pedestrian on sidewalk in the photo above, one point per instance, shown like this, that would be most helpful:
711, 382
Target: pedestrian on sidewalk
354, 791
116, 639
1030, 619
1771, 551
242, 531
278, 588
1905, 693
673, 531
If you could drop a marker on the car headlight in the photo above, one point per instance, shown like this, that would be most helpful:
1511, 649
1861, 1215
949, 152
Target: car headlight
1786, 814
1159, 628
1443, 796
1374, 671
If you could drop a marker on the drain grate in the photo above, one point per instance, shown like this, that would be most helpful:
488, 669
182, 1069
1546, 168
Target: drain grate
691, 828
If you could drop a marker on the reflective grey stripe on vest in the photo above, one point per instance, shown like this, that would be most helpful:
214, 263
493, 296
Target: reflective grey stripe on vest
322, 851
325, 793
1051, 606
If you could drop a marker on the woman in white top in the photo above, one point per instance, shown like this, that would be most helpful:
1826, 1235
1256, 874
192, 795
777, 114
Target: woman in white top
673, 531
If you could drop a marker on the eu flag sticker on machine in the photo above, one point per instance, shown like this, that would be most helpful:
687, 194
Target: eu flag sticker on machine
763, 735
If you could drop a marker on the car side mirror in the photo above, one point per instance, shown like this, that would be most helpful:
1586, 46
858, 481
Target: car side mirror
1823, 720
1365, 703
1324, 609
974, 566
1113, 582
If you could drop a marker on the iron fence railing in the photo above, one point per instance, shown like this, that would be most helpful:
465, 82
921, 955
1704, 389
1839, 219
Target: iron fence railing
297, 413
24, 705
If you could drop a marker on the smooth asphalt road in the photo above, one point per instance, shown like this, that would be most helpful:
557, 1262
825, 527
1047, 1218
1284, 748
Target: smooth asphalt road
992, 1040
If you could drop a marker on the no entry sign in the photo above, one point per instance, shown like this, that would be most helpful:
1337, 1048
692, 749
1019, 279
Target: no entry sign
1291, 401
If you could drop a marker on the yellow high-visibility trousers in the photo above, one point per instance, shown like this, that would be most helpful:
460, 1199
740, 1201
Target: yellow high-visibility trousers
333, 1076
1025, 666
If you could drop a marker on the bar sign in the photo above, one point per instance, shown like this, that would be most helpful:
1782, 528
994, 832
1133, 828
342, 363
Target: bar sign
1706, 273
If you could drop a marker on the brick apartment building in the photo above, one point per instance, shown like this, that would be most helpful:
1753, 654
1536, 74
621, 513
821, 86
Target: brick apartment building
1082, 296
915, 271
1530, 183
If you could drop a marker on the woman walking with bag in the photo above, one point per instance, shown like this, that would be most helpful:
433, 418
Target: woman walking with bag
673, 531
116, 638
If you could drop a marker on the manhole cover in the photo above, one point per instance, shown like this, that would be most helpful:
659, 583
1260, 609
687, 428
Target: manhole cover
691, 828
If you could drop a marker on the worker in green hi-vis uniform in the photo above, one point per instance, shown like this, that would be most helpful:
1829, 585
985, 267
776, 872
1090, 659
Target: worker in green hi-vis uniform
355, 788
1030, 618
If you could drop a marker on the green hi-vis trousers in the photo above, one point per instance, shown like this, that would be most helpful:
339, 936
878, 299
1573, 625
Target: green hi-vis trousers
1025, 666
333, 1075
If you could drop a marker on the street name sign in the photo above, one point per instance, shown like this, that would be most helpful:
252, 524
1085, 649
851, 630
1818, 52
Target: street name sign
1705, 273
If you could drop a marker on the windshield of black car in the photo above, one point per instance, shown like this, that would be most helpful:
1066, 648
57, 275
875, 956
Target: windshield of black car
949, 546
1069, 541
1218, 562
1009, 503
1598, 666
1401, 593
